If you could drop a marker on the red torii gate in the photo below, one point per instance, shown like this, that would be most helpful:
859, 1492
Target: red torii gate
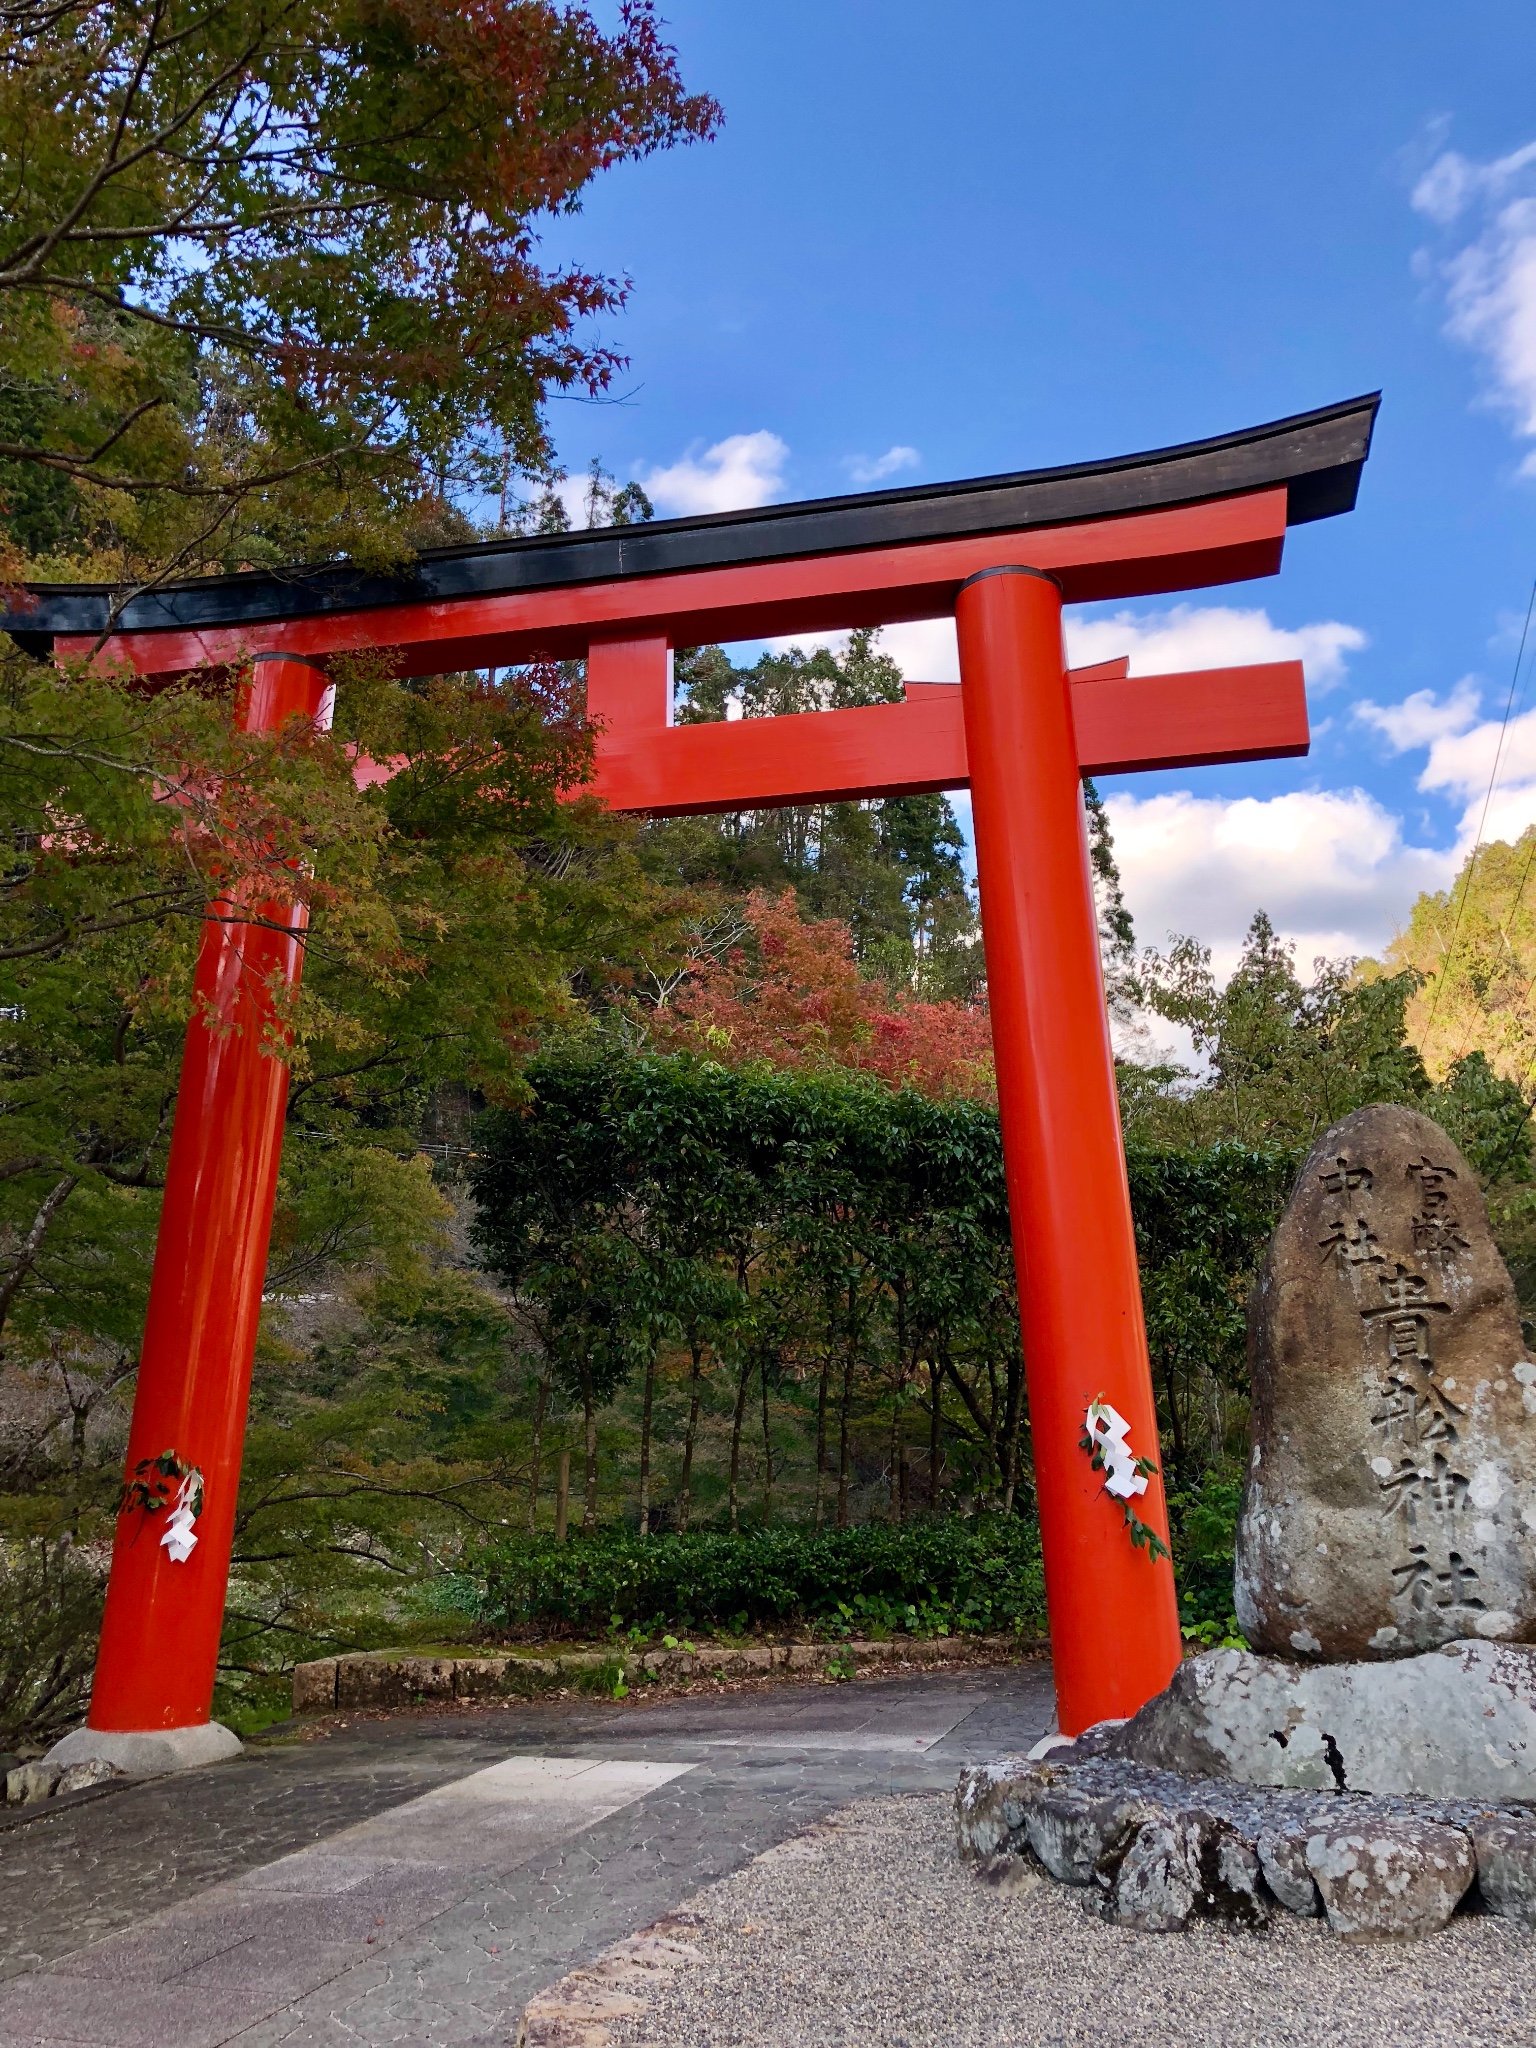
1001, 554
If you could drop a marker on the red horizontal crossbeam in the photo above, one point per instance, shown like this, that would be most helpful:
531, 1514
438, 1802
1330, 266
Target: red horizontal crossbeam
1122, 722
1135, 554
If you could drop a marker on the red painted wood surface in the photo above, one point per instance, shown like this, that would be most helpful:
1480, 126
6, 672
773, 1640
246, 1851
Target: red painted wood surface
1120, 722
1187, 548
1018, 730
160, 1636
1113, 1613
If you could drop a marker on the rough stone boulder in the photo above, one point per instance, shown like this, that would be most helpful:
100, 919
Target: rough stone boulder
1505, 1846
1283, 1859
1390, 1880
1153, 1849
1458, 1723
1180, 1864
1391, 1496
992, 1804
1079, 1837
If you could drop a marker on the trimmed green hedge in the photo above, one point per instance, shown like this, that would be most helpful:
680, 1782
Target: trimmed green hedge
936, 1575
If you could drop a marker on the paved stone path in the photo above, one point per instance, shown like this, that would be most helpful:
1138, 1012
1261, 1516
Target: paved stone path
415, 1880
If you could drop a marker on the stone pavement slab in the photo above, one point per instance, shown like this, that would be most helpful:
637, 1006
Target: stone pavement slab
849, 1719
72, 1875
261, 1941
93, 2015
517, 1843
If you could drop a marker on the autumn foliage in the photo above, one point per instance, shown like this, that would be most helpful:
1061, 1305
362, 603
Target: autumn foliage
793, 996
271, 282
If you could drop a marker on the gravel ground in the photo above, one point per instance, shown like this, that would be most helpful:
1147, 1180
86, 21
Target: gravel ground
867, 1930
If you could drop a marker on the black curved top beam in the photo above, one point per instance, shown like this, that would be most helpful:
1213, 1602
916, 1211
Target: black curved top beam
1317, 456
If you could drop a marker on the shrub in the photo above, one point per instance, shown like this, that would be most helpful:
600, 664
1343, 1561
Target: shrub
50, 1612
1204, 1527
932, 1576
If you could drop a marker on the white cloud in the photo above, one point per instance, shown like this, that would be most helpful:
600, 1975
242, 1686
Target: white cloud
1465, 754
746, 650
925, 650
1491, 288
1452, 182
1462, 765
1189, 636
1329, 866
863, 471
572, 491
741, 471
1512, 809
1185, 636
1490, 284
1423, 718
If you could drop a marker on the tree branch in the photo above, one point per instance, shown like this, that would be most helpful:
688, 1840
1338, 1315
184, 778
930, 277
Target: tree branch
32, 1243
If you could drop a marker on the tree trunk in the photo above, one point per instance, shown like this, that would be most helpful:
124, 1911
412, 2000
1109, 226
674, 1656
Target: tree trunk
994, 1425
1175, 1424
843, 1446
563, 1497
935, 1432
896, 1495
767, 1452
645, 1444
1011, 1432
736, 1421
80, 1415
821, 1438
589, 1502
985, 1437
539, 1408
695, 1388
1215, 1417
896, 1487
25, 1255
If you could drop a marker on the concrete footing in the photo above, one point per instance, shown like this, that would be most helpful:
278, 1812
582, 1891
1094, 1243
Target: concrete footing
151, 1753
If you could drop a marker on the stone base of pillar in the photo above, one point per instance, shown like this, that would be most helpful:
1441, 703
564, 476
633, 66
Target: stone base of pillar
150, 1754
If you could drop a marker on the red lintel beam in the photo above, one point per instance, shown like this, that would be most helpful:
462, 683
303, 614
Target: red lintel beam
1187, 547
1122, 722
1255, 713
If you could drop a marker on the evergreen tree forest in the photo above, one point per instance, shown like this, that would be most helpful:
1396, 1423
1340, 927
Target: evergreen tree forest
642, 1183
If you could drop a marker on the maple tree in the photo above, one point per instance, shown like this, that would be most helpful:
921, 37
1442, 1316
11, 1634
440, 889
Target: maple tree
270, 286
271, 291
793, 996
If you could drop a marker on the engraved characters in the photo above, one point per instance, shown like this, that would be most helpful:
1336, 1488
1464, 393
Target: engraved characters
1413, 1416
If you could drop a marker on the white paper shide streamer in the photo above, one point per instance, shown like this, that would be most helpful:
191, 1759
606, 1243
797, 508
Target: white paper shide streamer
1108, 1430
179, 1539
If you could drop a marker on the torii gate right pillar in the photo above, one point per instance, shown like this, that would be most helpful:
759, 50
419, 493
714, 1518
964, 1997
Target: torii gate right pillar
1113, 1609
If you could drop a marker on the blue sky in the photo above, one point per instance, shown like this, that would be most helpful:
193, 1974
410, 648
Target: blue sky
939, 242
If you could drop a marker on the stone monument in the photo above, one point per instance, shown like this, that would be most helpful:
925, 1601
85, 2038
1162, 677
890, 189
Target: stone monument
1372, 1756
1390, 1504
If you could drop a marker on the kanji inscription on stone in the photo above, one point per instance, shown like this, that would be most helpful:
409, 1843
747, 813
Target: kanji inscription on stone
1343, 1176
1391, 1495
1354, 1243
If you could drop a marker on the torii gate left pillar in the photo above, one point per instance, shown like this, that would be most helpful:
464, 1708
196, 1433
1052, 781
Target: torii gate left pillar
1020, 730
